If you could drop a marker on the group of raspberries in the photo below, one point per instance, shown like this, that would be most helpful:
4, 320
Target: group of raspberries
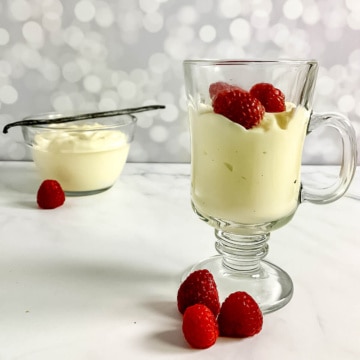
246, 108
205, 319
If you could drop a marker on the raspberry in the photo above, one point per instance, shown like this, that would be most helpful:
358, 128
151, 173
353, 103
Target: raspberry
50, 195
199, 326
240, 316
199, 288
239, 106
215, 88
272, 98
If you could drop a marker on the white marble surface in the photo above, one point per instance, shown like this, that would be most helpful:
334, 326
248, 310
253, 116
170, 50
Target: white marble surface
97, 278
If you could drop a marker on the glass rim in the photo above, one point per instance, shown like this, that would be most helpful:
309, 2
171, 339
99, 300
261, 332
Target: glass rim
249, 61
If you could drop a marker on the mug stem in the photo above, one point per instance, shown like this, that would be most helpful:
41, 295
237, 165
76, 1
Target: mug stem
242, 253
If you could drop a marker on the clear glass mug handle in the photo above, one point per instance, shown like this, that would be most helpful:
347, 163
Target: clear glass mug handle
349, 158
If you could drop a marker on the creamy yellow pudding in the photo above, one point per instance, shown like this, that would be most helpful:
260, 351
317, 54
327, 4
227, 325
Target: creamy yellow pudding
82, 157
247, 176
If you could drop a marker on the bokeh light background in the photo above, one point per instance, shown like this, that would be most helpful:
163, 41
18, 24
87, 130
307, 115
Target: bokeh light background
90, 55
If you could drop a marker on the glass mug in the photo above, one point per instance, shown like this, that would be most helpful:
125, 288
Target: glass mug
246, 182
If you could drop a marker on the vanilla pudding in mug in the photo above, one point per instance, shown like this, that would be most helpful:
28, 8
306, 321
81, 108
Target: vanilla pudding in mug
244, 175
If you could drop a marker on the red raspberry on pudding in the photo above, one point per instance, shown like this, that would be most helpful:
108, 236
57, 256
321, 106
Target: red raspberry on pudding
238, 106
270, 97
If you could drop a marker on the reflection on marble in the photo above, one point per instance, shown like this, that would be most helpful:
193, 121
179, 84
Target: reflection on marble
97, 278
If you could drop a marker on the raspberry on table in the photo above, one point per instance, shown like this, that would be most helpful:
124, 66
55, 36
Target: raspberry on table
199, 288
50, 195
270, 97
240, 316
199, 326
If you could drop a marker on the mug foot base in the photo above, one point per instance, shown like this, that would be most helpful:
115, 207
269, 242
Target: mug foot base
270, 286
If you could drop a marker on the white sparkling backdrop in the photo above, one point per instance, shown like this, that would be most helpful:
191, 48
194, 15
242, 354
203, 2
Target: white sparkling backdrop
89, 55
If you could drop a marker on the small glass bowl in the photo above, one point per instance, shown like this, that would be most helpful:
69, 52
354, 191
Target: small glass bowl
86, 157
